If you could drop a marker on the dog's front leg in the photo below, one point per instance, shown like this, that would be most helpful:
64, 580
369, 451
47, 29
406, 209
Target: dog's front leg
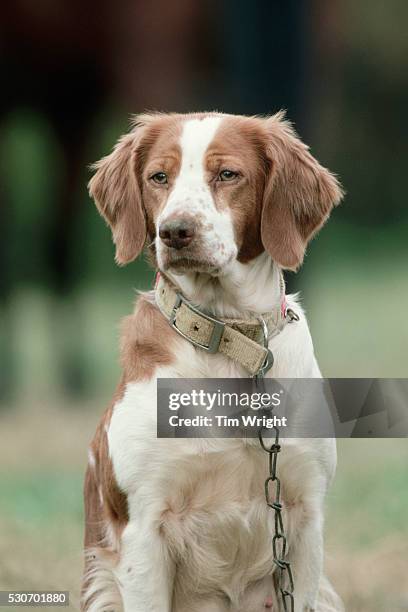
145, 573
306, 559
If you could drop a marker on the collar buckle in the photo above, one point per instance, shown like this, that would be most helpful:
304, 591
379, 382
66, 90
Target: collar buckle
216, 334
269, 358
266, 366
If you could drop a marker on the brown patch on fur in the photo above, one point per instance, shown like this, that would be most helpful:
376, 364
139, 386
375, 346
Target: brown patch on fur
110, 511
147, 341
238, 146
160, 152
100, 479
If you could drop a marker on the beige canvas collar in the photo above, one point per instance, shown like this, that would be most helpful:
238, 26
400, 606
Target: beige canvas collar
244, 341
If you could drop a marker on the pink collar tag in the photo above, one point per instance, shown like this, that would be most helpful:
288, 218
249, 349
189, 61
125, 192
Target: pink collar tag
284, 306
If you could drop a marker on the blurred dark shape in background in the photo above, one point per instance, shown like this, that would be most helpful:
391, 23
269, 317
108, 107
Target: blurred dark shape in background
73, 72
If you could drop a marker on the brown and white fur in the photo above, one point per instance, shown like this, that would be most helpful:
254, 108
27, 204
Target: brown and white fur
181, 525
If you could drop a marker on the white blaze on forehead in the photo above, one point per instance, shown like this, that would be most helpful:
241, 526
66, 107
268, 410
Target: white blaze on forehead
196, 137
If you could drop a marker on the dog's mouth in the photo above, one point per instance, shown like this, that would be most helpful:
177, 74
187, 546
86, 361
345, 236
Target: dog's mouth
196, 257
180, 264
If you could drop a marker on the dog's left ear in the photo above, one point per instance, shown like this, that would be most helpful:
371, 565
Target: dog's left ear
299, 194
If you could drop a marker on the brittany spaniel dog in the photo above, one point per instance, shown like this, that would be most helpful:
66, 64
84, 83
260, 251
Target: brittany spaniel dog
223, 204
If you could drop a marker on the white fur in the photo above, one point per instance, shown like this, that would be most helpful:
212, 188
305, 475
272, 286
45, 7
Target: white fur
236, 292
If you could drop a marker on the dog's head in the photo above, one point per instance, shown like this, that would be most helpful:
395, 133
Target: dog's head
210, 189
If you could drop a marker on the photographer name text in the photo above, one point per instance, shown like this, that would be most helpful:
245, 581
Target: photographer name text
243, 420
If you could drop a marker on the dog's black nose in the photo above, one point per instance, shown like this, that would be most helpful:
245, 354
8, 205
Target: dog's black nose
177, 233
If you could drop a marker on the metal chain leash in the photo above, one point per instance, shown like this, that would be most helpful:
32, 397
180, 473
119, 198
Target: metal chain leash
279, 540
285, 582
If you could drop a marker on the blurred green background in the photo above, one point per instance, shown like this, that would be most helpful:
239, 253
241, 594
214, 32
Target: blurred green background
73, 73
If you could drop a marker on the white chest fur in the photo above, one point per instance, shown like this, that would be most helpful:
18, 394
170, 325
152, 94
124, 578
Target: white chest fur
204, 498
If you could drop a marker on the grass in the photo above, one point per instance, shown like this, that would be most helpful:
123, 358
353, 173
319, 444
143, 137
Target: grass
367, 528
43, 454
42, 458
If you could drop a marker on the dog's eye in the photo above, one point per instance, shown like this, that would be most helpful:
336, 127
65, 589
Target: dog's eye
160, 178
227, 175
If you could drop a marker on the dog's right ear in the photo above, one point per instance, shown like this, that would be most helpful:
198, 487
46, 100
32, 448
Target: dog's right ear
116, 192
